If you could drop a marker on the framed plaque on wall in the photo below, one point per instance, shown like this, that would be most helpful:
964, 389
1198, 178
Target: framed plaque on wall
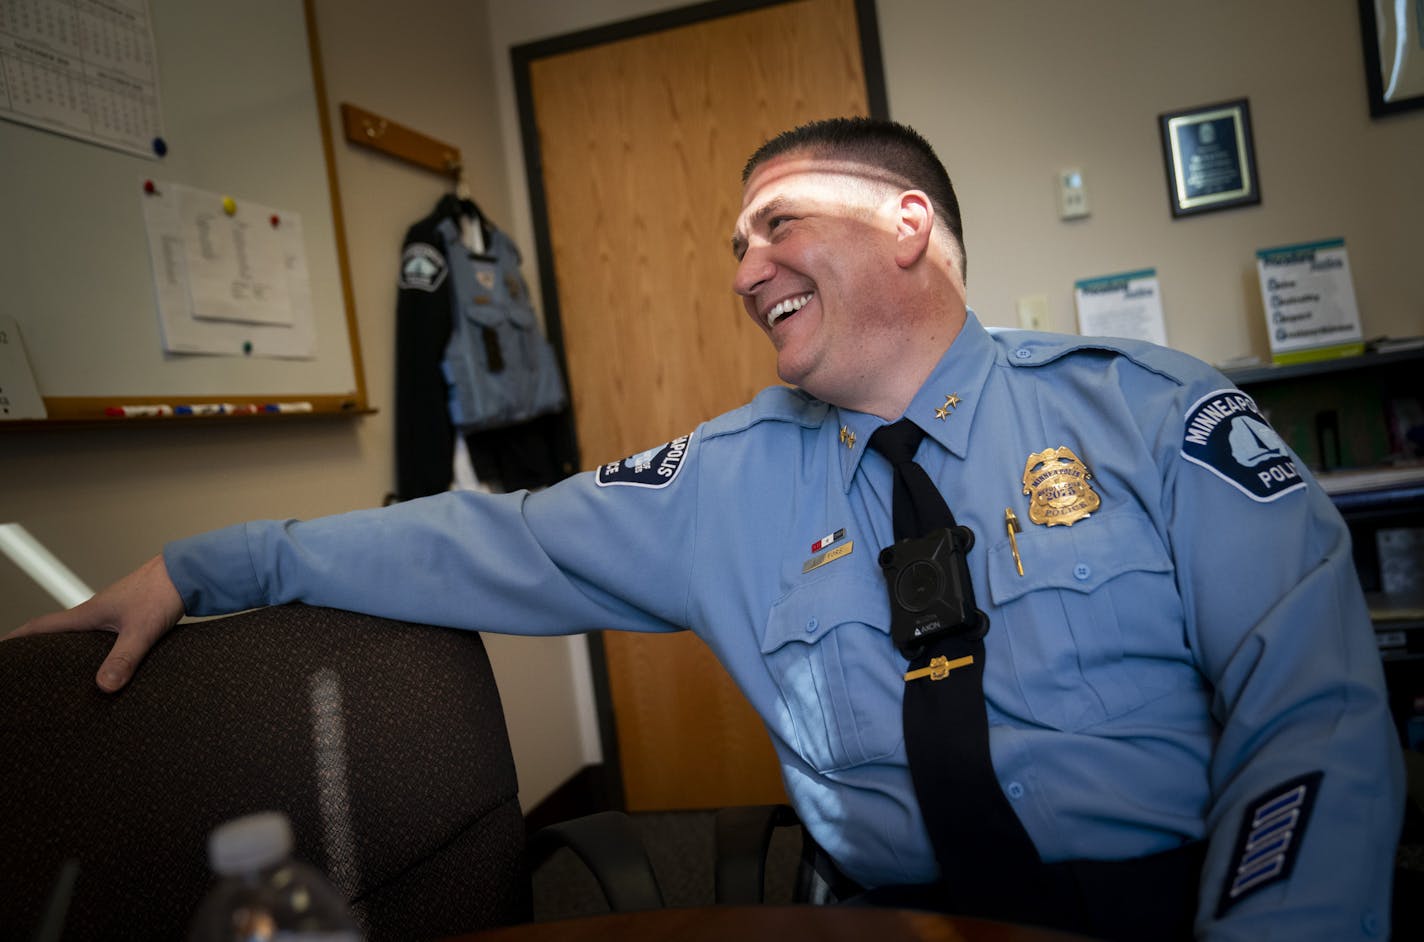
1211, 162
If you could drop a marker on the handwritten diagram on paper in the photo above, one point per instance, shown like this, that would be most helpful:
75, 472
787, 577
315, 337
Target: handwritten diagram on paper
84, 68
230, 276
235, 264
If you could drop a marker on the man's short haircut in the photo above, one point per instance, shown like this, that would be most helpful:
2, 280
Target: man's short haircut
894, 148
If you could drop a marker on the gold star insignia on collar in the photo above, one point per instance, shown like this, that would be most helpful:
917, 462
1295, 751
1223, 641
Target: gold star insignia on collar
847, 436
951, 401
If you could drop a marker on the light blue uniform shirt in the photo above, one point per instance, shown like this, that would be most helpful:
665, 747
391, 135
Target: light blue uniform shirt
1161, 668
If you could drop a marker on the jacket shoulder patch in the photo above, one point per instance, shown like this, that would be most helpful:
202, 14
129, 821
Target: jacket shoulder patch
656, 467
422, 267
1226, 434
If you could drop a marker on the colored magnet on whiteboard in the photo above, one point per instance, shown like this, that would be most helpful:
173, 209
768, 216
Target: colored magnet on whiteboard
276, 220
149, 188
229, 205
247, 346
160, 146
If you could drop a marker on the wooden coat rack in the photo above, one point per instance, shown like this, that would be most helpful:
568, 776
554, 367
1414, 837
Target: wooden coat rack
369, 129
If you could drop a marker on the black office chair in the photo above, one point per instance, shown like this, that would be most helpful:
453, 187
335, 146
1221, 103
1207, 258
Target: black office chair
744, 837
610, 846
384, 743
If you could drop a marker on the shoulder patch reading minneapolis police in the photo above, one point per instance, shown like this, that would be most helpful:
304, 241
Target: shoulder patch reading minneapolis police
656, 467
422, 267
1227, 435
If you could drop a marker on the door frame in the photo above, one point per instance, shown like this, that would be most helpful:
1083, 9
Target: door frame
522, 58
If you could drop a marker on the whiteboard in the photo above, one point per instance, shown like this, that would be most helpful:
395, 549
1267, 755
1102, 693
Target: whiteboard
243, 115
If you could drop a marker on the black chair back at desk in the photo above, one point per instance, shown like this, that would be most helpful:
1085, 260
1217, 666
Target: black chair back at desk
384, 742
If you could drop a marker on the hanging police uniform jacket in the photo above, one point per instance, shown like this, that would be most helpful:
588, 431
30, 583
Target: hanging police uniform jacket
471, 360
1190, 659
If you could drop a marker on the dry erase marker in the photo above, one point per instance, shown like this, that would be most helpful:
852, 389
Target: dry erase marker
204, 408
288, 407
131, 411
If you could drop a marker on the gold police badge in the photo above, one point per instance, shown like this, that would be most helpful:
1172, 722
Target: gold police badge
1056, 484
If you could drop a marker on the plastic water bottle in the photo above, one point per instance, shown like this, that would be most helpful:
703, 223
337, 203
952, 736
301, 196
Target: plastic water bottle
263, 894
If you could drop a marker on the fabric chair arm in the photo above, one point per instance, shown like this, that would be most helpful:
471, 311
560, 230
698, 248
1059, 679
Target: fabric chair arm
609, 845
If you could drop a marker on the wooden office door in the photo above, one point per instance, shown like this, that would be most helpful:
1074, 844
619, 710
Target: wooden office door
642, 142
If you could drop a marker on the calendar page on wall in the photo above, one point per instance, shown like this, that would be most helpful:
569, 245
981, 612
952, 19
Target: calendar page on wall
84, 68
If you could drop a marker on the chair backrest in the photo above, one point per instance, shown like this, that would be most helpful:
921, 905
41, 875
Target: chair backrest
384, 742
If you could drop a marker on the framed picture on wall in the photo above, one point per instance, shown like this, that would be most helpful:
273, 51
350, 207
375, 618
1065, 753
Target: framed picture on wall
1393, 36
1211, 162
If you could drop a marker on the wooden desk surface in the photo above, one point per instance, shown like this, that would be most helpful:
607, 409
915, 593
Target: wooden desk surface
773, 924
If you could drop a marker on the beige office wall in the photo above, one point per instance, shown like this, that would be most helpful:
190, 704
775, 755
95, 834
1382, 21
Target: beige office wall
106, 499
1011, 91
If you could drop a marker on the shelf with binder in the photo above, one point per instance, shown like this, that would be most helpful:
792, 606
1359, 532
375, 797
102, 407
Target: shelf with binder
1358, 423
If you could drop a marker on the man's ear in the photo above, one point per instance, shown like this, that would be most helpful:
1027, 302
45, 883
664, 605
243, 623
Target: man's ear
913, 223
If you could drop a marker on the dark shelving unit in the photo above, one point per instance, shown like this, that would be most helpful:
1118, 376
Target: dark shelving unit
1344, 417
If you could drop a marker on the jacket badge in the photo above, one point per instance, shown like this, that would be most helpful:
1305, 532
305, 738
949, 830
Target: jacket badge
422, 267
1056, 484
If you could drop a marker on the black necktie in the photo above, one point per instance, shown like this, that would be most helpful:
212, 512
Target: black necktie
981, 846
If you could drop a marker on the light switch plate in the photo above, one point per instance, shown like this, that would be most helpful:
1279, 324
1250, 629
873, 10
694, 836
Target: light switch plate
1072, 194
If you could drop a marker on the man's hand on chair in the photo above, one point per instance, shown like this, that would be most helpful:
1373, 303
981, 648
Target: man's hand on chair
139, 608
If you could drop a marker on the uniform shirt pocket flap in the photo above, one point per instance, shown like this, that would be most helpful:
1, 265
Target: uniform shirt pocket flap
1080, 558
486, 309
521, 315
808, 612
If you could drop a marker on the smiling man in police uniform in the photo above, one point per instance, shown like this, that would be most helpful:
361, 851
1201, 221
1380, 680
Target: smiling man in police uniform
1182, 713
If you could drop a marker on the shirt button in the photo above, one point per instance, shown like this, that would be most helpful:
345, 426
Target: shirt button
1370, 923
1015, 790
813, 624
1082, 571
1023, 353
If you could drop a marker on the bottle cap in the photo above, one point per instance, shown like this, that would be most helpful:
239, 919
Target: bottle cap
250, 843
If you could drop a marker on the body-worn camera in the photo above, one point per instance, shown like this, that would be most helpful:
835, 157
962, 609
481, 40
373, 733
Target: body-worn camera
930, 591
